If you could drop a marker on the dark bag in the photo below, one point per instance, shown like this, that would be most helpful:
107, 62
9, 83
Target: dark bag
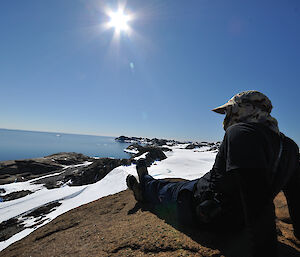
209, 208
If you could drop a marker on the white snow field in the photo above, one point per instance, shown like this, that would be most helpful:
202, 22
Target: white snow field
181, 163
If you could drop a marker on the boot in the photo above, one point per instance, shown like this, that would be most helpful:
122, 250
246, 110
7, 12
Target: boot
135, 187
141, 168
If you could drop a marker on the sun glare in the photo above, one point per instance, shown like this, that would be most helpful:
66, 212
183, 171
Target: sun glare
118, 21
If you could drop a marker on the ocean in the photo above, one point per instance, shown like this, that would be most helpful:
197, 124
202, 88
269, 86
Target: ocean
20, 144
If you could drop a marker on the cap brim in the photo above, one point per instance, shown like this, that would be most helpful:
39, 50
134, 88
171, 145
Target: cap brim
221, 109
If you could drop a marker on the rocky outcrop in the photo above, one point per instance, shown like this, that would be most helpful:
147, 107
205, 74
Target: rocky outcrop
84, 174
12, 226
125, 139
212, 146
22, 170
15, 195
68, 158
144, 140
155, 142
195, 145
159, 142
153, 153
94, 172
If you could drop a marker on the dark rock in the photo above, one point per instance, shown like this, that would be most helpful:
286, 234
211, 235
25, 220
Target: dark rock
121, 138
135, 146
22, 170
43, 210
13, 226
202, 144
165, 149
191, 146
141, 140
159, 142
34, 167
213, 148
9, 227
68, 158
83, 175
141, 148
125, 162
196, 145
2, 191
154, 154
94, 172
50, 183
16, 195
125, 139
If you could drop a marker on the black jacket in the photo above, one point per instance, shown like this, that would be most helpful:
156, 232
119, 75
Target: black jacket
242, 180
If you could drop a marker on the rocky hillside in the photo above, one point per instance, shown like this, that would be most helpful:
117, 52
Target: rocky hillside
23, 170
116, 226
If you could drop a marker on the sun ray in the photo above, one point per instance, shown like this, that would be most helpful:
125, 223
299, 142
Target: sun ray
118, 20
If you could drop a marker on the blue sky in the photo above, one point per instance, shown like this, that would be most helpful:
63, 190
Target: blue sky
61, 71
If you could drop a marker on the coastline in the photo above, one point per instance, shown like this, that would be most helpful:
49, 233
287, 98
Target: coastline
18, 145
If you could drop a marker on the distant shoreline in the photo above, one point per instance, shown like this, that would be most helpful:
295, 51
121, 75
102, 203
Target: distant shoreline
63, 133
26, 144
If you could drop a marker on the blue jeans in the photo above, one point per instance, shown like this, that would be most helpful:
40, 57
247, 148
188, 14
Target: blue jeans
170, 197
161, 191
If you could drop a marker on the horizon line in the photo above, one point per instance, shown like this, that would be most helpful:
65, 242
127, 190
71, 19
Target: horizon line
85, 134
57, 132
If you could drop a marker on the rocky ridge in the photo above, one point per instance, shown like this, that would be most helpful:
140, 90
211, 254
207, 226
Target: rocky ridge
23, 170
165, 142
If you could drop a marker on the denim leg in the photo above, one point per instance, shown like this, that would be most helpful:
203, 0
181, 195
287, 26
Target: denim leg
161, 191
171, 199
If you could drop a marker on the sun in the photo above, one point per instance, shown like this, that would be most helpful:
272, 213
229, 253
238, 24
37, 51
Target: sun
119, 21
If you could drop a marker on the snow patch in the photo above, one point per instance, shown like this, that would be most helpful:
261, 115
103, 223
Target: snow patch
133, 151
142, 156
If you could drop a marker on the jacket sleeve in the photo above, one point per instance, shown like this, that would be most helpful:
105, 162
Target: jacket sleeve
292, 194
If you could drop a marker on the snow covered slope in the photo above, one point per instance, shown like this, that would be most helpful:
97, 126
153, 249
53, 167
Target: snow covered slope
181, 163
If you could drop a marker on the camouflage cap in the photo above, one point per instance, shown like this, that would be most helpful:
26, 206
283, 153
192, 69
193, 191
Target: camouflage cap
253, 97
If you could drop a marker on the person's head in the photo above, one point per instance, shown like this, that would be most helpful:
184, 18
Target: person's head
248, 106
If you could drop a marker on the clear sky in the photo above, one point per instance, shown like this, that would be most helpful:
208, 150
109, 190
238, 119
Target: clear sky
62, 70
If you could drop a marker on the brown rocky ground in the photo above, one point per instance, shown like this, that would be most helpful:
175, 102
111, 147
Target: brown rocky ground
116, 226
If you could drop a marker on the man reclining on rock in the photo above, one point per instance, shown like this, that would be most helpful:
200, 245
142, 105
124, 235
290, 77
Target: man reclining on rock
254, 163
